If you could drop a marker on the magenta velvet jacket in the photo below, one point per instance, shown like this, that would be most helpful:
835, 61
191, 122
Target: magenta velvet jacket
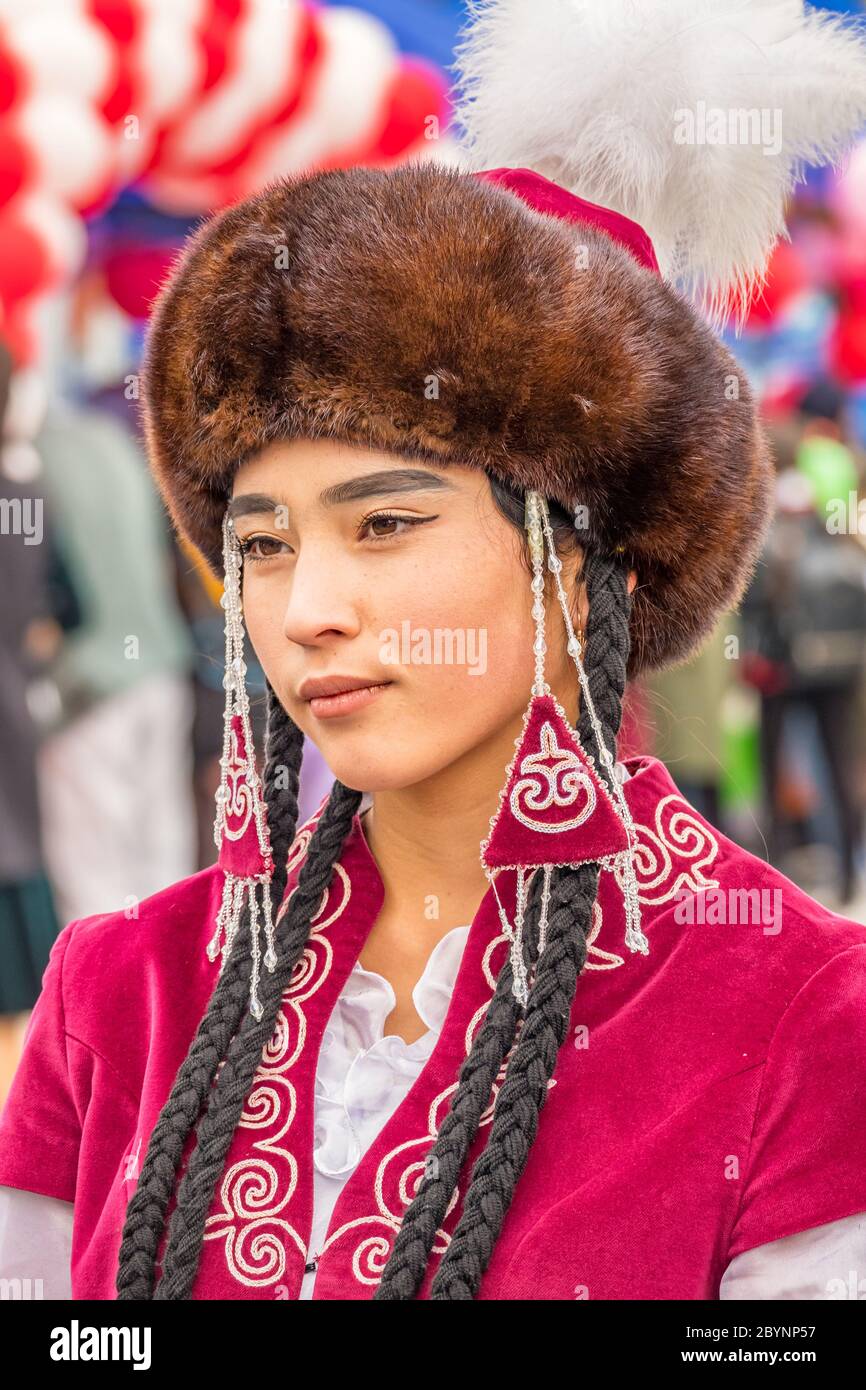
710, 1097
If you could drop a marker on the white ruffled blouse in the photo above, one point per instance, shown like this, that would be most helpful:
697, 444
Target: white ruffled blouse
364, 1073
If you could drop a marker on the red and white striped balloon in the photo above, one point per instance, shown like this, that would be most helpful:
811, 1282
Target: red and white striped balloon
199, 101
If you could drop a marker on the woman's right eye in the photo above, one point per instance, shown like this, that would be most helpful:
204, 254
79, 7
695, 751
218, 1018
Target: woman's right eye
256, 548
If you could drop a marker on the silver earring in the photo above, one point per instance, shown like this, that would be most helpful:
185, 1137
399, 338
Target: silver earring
623, 863
240, 826
554, 809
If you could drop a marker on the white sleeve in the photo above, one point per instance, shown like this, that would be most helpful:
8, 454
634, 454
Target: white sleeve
826, 1262
36, 1243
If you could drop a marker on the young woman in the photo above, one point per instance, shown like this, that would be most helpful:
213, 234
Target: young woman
473, 461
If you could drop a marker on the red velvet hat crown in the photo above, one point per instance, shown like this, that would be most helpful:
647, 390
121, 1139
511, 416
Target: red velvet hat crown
546, 196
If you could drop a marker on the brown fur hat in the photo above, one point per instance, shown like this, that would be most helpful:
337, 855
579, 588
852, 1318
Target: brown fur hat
436, 315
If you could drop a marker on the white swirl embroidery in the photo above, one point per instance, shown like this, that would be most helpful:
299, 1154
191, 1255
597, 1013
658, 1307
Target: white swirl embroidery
684, 838
596, 958
257, 1189
239, 804
396, 1181
660, 872
541, 787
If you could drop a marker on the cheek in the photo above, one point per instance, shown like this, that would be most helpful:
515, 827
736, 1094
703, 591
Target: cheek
264, 606
482, 613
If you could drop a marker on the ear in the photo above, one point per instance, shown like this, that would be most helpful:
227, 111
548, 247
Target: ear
632, 581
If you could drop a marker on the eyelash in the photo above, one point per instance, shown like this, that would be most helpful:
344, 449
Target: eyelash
246, 545
392, 516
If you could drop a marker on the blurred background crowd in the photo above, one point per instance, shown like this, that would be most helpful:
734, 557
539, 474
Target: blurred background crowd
122, 122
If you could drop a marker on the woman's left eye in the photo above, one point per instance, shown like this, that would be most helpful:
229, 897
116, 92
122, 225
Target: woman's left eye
391, 519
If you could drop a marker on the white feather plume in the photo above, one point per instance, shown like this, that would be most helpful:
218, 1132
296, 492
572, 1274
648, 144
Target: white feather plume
610, 98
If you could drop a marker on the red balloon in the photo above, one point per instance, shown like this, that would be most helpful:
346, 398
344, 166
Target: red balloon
122, 97
215, 44
122, 21
852, 287
227, 11
134, 274
25, 264
119, 17
417, 92
13, 81
847, 348
786, 276
100, 202
17, 165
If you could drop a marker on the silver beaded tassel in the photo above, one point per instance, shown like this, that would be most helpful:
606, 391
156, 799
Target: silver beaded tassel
240, 797
621, 864
521, 982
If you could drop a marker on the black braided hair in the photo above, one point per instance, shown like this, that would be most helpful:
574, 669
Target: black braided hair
532, 1061
145, 1215
216, 1129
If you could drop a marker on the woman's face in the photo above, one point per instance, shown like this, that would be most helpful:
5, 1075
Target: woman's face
399, 576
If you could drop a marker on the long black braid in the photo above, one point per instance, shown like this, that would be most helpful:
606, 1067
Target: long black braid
217, 1126
524, 1089
145, 1216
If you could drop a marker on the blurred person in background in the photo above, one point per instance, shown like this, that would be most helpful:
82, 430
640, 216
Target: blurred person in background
686, 705
805, 645
822, 450
28, 922
829, 453
116, 770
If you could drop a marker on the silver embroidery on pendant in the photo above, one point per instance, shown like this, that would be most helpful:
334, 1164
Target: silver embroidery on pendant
561, 785
239, 797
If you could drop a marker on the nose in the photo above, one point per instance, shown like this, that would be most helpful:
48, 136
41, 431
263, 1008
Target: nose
321, 605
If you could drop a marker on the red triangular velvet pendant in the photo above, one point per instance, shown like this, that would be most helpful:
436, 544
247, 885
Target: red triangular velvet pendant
554, 808
243, 852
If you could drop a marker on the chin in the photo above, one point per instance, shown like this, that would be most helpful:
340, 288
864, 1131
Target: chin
370, 775
374, 768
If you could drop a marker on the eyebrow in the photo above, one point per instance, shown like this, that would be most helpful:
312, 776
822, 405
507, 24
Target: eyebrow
387, 480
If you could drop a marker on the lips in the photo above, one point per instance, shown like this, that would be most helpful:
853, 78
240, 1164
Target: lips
318, 686
346, 700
